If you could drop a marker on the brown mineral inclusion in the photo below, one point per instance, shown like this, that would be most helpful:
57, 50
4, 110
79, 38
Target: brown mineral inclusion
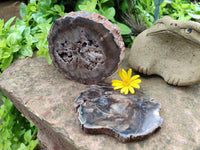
127, 118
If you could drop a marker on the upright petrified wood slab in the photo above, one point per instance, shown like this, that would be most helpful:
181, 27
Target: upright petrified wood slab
85, 46
125, 117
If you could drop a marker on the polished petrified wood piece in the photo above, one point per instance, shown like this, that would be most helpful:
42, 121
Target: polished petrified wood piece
85, 46
104, 111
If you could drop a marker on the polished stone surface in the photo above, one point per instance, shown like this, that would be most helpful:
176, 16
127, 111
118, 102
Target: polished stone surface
128, 118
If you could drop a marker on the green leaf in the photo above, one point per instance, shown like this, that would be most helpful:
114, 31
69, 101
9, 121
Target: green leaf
109, 13
1, 23
16, 48
5, 53
13, 38
125, 5
185, 6
195, 16
23, 147
197, 7
44, 5
84, 7
45, 30
89, 6
5, 134
1, 26
104, 1
7, 144
5, 100
27, 31
32, 1
32, 144
57, 8
26, 51
164, 4
6, 62
33, 8
2, 43
92, 4
23, 10
30, 10
20, 29
49, 59
62, 14
39, 18
29, 39
27, 136
31, 124
8, 23
62, 8
174, 5
124, 28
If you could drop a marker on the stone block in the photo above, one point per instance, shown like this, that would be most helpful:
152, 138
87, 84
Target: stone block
46, 98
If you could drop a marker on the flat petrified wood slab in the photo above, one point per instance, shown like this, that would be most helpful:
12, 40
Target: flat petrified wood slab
85, 46
46, 98
125, 117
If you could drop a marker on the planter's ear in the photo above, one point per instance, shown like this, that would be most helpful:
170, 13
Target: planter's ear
85, 47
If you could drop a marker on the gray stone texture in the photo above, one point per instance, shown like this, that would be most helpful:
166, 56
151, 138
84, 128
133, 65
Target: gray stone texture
46, 98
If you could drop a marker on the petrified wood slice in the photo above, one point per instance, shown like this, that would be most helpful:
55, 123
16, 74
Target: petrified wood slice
85, 46
127, 118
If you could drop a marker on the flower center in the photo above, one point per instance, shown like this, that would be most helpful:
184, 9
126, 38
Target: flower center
126, 82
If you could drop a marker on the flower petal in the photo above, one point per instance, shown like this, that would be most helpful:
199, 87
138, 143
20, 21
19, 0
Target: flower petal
116, 88
134, 77
137, 81
116, 81
117, 84
129, 73
126, 91
120, 74
123, 90
135, 86
124, 74
131, 89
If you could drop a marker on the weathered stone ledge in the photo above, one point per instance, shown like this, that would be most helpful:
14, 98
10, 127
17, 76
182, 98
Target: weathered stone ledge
46, 98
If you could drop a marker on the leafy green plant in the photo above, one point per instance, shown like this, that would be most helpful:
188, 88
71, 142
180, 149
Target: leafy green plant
16, 131
145, 9
7, 41
181, 10
104, 8
38, 16
22, 38
19, 41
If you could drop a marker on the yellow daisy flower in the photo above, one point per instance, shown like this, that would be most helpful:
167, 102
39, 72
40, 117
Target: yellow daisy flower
128, 83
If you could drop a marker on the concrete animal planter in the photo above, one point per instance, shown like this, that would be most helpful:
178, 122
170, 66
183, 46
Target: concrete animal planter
171, 49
